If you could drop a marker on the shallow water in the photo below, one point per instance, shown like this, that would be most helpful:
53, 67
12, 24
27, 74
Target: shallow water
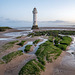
23, 28
69, 60
16, 34
22, 48
67, 64
35, 47
6, 39
54, 29
72, 46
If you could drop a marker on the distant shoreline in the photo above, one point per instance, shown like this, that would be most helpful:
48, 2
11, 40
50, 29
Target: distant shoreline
40, 28
57, 27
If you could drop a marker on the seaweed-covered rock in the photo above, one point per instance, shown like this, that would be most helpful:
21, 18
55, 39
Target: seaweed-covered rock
35, 27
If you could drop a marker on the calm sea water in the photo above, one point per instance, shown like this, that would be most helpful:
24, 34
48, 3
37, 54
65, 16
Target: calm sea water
40, 24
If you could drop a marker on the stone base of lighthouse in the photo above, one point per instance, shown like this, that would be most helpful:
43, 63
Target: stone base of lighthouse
35, 27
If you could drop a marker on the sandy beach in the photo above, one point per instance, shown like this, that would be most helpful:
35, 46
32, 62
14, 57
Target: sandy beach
57, 67
37, 37
50, 66
14, 66
63, 65
64, 68
56, 28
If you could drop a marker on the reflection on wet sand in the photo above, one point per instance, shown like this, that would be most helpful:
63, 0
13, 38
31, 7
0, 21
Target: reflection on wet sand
67, 65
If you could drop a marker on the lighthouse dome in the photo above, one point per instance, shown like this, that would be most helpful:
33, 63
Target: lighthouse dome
34, 10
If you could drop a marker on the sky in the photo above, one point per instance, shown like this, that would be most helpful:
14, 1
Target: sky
48, 10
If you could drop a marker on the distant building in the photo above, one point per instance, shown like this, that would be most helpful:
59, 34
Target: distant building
35, 25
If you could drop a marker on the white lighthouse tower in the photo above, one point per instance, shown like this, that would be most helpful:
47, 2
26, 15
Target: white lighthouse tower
35, 25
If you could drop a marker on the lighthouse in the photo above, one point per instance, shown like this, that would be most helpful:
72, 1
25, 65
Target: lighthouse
35, 25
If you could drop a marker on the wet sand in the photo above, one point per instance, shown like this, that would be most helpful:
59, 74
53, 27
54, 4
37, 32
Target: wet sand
14, 66
8, 31
50, 66
65, 67
55, 28
67, 64
58, 67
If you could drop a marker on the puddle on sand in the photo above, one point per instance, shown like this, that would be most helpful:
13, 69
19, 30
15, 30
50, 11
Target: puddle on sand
6, 39
69, 60
16, 34
35, 47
